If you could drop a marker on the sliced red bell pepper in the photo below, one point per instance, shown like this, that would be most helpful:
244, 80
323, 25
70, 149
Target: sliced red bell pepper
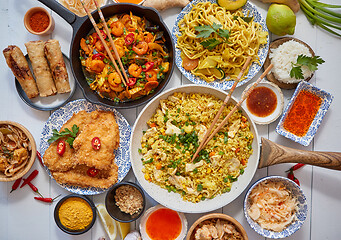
131, 82
104, 35
99, 56
148, 66
129, 39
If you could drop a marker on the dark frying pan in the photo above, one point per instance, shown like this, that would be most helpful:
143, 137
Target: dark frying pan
82, 26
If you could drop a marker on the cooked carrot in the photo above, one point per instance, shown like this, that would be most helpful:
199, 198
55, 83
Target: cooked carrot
150, 85
211, 154
152, 124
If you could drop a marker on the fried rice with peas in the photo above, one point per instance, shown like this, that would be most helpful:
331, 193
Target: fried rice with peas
175, 132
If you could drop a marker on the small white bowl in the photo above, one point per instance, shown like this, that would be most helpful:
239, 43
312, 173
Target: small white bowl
279, 108
151, 210
301, 213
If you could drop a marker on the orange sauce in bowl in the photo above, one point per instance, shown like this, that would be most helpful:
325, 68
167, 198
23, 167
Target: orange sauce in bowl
262, 102
163, 224
302, 113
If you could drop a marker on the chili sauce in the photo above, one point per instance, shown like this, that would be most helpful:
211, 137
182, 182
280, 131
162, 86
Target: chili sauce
302, 113
262, 102
163, 224
39, 21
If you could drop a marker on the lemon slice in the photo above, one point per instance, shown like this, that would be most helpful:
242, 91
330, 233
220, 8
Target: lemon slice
124, 229
109, 224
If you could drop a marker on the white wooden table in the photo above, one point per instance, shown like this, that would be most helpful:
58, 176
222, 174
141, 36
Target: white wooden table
22, 217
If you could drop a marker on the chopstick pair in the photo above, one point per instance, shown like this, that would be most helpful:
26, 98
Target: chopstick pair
209, 136
124, 78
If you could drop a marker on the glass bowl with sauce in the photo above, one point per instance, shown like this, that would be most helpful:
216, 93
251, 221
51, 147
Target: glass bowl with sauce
163, 223
265, 103
75, 214
39, 21
304, 113
139, 2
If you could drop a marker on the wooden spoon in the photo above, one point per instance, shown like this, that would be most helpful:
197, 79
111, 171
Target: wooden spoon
273, 153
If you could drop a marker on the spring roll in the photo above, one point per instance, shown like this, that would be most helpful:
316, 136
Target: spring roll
57, 65
17, 62
41, 70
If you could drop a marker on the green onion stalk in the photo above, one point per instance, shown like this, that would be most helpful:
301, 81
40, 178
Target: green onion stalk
320, 14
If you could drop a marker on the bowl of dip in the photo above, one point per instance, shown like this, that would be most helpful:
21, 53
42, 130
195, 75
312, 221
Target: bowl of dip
160, 222
75, 214
265, 103
39, 21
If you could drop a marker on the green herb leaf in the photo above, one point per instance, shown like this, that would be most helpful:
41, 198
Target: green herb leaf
302, 60
204, 31
199, 188
296, 72
65, 133
210, 43
224, 33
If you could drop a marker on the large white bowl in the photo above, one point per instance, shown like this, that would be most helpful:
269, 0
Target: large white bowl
173, 200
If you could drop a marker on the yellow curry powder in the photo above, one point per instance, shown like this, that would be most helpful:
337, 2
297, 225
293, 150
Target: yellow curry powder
75, 214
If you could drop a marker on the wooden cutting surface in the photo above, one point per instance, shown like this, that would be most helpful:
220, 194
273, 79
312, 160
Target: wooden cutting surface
21, 217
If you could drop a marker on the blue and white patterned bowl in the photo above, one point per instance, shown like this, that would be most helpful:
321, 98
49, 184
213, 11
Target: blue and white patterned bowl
224, 85
301, 214
122, 156
327, 99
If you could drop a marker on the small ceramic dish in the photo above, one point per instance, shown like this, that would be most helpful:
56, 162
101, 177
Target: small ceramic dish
32, 157
326, 98
213, 216
51, 102
114, 211
139, 2
165, 220
270, 76
80, 198
301, 213
29, 14
279, 104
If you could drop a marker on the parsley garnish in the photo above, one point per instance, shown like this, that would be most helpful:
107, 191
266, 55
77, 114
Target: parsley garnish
302, 60
205, 32
71, 135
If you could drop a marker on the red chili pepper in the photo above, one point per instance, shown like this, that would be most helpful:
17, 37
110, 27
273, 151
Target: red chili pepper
148, 66
92, 172
34, 188
131, 82
296, 166
39, 158
104, 35
99, 56
296, 181
61, 147
129, 39
291, 175
16, 184
48, 200
96, 143
30, 178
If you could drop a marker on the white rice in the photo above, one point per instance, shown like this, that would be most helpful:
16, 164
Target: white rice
283, 56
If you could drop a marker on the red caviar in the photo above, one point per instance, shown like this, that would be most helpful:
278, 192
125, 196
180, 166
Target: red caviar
302, 113
39, 21
163, 224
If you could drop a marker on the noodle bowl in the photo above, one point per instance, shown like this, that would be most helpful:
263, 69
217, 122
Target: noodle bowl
246, 38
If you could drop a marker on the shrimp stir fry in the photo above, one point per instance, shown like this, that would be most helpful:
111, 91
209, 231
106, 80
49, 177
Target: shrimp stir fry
141, 48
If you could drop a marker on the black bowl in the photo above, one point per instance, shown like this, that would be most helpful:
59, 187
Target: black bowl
62, 227
114, 210
109, 10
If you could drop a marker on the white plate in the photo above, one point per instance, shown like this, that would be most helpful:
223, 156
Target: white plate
279, 108
51, 102
60, 116
254, 68
173, 200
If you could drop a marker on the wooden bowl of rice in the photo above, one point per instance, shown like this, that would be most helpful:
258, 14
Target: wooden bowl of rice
270, 76
31, 153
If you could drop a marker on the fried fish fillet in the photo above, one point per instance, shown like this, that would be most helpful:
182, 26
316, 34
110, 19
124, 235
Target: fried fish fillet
78, 177
103, 125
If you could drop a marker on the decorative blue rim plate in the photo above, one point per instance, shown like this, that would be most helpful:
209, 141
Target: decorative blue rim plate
327, 99
301, 213
122, 154
224, 85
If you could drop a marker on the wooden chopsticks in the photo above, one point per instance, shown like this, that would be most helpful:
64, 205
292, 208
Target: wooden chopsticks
248, 60
222, 124
125, 78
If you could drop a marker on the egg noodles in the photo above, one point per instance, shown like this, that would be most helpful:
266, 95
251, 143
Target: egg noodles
244, 40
